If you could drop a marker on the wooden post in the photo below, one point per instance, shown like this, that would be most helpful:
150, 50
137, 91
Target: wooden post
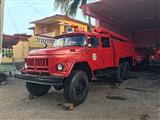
1, 26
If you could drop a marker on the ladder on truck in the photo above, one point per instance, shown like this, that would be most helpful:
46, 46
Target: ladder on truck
111, 33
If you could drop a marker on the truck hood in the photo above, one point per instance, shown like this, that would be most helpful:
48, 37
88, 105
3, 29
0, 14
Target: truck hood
56, 51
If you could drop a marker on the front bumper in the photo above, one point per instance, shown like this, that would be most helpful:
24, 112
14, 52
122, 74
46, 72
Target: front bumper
39, 79
155, 64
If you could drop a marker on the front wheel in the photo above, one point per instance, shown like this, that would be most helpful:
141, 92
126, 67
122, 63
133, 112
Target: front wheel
58, 87
37, 89
76, 87
3, 77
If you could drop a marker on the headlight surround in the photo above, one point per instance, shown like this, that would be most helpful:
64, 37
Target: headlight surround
60, 67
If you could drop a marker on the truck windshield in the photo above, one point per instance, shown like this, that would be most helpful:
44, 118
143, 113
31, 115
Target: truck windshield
79, 40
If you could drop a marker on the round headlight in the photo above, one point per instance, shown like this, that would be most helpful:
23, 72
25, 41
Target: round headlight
60, 67
152, 57
25, 66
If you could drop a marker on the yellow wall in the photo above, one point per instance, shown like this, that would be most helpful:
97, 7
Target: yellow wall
72, 23
55, 28
33, 44
6, 60
49, 28
20, 51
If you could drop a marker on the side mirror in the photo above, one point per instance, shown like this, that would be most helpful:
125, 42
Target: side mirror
45, 45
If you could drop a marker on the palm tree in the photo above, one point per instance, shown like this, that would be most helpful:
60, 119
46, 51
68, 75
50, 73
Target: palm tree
70, 7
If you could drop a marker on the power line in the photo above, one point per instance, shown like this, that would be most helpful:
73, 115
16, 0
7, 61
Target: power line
35, 9
12, 19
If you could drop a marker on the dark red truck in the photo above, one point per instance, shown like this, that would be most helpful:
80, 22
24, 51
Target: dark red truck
154, 59
75, 60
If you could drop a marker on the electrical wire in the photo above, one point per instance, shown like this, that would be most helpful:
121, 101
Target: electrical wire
12, 19
35, 9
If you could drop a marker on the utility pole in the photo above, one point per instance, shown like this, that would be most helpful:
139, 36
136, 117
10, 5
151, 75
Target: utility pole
1, 26
3, 76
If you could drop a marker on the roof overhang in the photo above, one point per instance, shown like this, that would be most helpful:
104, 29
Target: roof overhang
135, 14
56, 19
46, 21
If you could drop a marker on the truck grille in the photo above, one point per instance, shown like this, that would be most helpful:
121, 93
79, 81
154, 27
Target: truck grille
37, 63
41, 62
30, 62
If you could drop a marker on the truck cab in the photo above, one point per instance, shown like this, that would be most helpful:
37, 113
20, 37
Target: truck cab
74, 61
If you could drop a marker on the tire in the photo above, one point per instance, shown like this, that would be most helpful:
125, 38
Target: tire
127, 70
76, 87
37, 89
3, 77
119, 74
58, 87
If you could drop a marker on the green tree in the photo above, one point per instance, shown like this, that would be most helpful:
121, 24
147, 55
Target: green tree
70, 7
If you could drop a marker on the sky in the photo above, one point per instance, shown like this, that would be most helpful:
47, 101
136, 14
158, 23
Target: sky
19, 13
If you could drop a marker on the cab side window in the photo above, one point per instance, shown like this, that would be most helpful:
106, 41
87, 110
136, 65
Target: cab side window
93, 42
105, 42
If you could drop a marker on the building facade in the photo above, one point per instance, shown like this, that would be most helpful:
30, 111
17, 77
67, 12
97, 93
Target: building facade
15, 48
51, 27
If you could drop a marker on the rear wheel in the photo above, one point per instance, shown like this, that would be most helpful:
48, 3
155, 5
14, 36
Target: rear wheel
37, 89
119, 74
127, 70
76, 87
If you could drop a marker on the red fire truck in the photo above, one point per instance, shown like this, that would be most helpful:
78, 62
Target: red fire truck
75, 60
154, 60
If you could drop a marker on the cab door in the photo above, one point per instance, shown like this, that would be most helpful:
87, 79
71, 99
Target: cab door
107, 52
94, 52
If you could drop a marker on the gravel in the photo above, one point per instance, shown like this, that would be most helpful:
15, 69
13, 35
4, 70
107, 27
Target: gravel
135, 99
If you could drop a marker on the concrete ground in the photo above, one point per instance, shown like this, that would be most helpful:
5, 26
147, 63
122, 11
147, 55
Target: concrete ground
135, 99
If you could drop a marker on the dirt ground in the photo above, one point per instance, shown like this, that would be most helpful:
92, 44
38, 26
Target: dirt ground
135, 99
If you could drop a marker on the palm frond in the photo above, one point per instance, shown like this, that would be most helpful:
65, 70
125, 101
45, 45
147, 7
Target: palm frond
84, 2
63, 4
70, 7
73, 7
